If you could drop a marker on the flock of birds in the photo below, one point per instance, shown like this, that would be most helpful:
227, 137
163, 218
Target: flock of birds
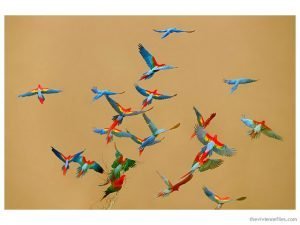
202, 162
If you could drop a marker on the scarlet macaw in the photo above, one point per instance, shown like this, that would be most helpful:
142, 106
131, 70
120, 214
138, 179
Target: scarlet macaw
85, 165
122, 112
201, 122
116, 185
151, 140
168, 31
259, 127
66, 159
100, 93
40, 91
170, 187
152, 64
151, 95
237, 82
212, 143
114, 132
220, 200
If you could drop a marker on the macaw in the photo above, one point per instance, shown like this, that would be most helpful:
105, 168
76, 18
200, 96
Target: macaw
237, 82
114, 132
66, 159
168, 31
203, 163
100, 93
170, 187
201, 122
152, 64
40, 91
151, 95
259, 127
151, 140
116, 185
85, 165
220, 200
122, 112
212, 143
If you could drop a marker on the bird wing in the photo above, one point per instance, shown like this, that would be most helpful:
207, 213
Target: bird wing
79, 160
166, 180
150, 124
235, 86
200, 118
119, 133
141, 90
116, 106
201, 134
135, 138
50, 91
100, 131
271, 133
94, 90
96, 166
209, 194
147, 56
161, 96
159, 31
165, 34
30, 93
129, 164
76, 156
183, 181
248, 122
223, 150
58, 154
210, 164
134, 113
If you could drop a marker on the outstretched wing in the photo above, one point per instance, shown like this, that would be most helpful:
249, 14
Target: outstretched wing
50, 91
201, 134
248, 122
129, 164
119, 133
76, 156
161, 96
58, 154
159, 31
116, 106
135, 138
150, 124
141, 90
209, 194
30, 93
183, 181
271, 133
79, 160
134, 113
200, 119
96, 166
210, 164
224, 150
100, 131
166, 180
147, 56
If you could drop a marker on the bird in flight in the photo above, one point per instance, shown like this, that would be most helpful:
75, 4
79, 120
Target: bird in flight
259, 127
220, 200
66, 159
114, 132
237, 82
85, 165
40, 92
152, 64
168, 31
115, 186
150, 95
152, 139
201, 121
99, 93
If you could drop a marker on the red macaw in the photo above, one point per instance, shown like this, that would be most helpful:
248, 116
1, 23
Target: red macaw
201, 121
116, 185
85, 165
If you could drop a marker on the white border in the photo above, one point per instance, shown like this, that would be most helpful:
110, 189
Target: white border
134, 7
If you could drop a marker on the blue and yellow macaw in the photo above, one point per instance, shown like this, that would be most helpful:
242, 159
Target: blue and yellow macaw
66, 159
220, 200
168, 31
114, 132
152, 139
40, 91
151, 95
237, 82
99, 93
152, 64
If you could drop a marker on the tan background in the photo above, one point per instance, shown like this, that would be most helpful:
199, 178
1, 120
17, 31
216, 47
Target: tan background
76, 53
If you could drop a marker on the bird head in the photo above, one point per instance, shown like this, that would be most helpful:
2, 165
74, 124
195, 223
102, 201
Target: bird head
40, 86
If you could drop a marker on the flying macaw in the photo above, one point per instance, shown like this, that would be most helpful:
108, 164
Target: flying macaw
170, 187
85, 165
115, 186
100, 93
114, 132
203, 163
151, 95
151, 140
152, 64
259, 127
66, 159
122, 112
212, 143
201, 122
237, 82
220, 200
168, 31
40, 91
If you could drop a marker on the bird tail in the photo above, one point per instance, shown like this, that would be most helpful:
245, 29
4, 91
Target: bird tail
64, 169
193, 135
143, 77
207, 122
109, 138
141, 150
145, 103
187, 174
105, 183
